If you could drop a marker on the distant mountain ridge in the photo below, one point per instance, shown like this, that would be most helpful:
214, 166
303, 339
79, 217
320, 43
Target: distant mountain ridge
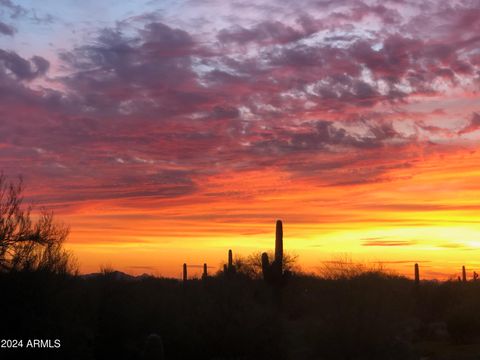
116, 275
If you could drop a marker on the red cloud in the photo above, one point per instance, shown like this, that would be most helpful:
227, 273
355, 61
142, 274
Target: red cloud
163, 105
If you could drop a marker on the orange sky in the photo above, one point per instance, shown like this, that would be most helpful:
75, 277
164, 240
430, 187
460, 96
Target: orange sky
427, 213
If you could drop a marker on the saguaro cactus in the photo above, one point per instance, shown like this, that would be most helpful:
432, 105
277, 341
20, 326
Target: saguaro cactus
277, 265
230, 268
230, 259
417, 275
464, 274
184, 272
475, 276
273, 273
279, 243
205, 274
265, 267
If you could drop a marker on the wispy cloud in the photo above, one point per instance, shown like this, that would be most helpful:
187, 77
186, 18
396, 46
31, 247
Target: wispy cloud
387, 242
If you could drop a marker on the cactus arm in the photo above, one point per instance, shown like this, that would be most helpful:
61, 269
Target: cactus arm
265, 267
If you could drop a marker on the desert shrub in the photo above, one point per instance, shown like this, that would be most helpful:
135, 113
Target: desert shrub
343, 267
27, 244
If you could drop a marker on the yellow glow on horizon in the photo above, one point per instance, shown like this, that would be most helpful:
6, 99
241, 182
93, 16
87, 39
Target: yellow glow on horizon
426, 213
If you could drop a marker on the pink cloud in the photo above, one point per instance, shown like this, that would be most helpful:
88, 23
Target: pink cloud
158, 104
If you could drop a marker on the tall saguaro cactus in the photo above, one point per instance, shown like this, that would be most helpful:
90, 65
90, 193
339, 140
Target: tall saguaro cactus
230, 258
274, 273
417, 275
278, 261
205, 274
184, 272
230, 269
464, 274
279, 242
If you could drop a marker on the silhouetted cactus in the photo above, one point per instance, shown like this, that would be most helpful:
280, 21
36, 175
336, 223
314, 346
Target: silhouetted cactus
230, 269
185, 272
279, 242
274, 273
205, 273
464, 274
475, 276
277, 265
265, 267
417, 275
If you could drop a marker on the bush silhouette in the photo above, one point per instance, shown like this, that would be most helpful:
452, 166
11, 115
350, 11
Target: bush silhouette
28, 245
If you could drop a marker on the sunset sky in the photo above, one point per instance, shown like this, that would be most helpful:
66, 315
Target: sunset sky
166, 132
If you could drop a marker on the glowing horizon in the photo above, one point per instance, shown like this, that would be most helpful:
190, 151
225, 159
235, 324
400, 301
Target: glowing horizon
169, 132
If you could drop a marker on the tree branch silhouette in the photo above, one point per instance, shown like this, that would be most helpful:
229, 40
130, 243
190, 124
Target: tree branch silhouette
27, 244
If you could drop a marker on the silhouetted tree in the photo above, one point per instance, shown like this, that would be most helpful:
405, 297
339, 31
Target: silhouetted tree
27, 244
343, 267
252, 265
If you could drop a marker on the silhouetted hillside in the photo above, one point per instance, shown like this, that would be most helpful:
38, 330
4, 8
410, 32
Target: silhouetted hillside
368, 316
